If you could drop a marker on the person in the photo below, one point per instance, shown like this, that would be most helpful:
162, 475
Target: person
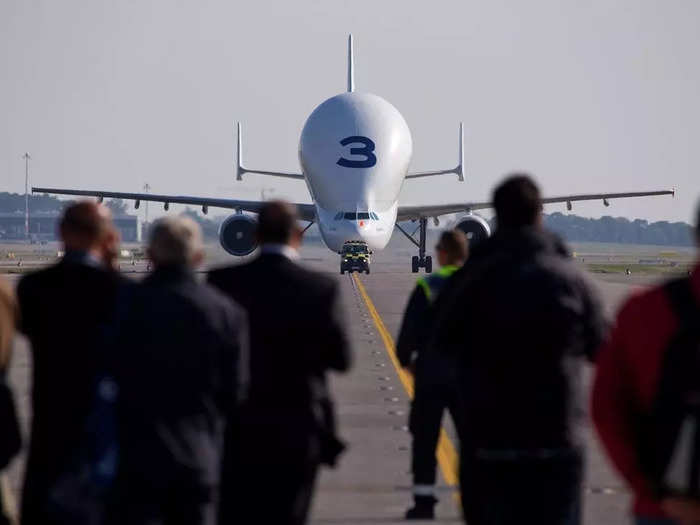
434, 378
10, 440
297, 334
521, 322
627, 384
179, 357
63, 309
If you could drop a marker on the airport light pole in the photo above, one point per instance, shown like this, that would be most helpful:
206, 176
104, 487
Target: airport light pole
26, 158
146, 189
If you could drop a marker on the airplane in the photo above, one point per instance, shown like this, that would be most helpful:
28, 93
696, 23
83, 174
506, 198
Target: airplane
355, 151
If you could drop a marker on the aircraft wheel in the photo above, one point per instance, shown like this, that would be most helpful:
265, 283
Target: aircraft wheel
428, 264
367, 271
414, 264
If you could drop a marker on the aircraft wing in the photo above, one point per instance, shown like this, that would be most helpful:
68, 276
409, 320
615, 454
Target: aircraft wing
415, 212
307, 212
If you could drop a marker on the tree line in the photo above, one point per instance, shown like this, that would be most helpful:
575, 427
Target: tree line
619, 230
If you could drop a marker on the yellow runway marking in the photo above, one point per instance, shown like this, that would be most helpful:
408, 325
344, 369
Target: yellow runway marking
446, 452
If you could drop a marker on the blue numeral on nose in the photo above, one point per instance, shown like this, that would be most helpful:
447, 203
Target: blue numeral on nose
366, 151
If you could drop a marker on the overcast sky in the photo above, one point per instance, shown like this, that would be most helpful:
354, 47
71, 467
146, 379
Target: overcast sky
589, 96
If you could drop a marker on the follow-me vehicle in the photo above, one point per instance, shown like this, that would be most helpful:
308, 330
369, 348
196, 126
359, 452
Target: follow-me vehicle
355, 152
355, 257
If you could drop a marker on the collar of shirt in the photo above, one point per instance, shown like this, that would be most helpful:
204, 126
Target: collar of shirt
280, 249
84, 258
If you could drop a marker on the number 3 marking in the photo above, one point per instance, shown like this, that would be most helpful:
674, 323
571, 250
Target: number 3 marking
366, 151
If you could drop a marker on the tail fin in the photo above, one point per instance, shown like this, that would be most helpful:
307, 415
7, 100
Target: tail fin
240, 170
460, 167
351, 66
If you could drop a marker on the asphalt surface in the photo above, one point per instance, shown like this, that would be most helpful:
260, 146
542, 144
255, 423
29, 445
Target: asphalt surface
372, 483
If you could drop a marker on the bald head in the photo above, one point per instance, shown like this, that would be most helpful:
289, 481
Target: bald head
277, 223
85, 225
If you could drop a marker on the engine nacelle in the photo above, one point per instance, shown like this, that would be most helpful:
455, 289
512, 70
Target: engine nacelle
476, 228
237, 235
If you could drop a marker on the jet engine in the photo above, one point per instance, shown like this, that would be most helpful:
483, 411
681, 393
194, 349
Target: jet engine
237, 235
475, 228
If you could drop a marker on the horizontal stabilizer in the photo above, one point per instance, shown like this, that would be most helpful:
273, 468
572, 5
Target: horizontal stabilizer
458, 170
241, 169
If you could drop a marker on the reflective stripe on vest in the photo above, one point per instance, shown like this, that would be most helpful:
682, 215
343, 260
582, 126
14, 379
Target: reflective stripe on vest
432, 284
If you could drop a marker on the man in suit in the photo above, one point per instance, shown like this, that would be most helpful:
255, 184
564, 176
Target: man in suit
177, 365
297, 333
63, 309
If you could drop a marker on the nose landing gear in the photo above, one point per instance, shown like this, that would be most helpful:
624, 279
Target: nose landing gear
421, 260
426, 263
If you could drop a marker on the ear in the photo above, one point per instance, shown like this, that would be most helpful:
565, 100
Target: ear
198, 258
297, 236
114, 236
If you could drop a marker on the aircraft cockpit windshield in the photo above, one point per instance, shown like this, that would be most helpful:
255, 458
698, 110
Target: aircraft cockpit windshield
356, 216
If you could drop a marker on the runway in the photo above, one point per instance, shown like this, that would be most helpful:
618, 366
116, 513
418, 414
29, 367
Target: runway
372, 483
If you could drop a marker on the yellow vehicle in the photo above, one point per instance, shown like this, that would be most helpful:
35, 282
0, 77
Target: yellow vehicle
354, 256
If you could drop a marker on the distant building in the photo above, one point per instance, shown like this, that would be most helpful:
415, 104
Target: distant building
44, 226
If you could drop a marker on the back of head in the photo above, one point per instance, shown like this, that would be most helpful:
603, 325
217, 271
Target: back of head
8, 317
84, 225
277, 223
175, 241
517, 202
455, 246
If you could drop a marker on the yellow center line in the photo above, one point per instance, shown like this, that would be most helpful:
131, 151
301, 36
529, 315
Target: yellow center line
446, 452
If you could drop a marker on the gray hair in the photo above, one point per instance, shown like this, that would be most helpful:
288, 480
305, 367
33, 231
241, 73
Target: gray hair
174, 241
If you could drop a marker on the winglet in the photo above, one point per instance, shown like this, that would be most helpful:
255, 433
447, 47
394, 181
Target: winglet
460, 166
351, 66
240, 170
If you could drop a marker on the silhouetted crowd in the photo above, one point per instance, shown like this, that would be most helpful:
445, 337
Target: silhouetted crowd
177, 401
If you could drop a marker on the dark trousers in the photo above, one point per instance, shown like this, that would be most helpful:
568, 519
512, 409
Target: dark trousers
136, 505
278, 493
526, 490
425, 420
35, 497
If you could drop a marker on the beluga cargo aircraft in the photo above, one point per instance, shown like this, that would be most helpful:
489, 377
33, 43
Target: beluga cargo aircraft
355, 154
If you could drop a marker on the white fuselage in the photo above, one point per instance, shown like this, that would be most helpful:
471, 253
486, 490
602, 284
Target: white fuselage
355, 151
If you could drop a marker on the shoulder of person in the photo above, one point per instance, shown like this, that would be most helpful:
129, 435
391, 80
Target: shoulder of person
643, 303
223, 274
316, 279
218, 298
215, 298
37, 278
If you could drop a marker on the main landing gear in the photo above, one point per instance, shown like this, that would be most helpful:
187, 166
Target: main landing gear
421, 260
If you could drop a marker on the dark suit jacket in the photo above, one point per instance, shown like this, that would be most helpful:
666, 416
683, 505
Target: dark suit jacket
297, 333
63, 309
177, 362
